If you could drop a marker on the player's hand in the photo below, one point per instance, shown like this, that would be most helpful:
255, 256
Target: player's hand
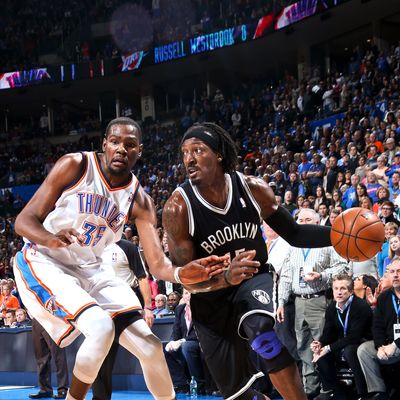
242, 267
63, 238
203, 269
148, 317
280, 314
322, 352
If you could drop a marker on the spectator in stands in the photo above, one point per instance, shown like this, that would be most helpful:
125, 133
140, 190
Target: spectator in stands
7, 300
173, 300
9, 319
380, 170
366, 202
384, 349
348, 322
316, 172
337, 199
372, 186
323, 214
350, 195
320, 197
333, 214
184, 350
382, 194
306, 273
394, 250
387, 213
390, 230
363, 168
394, 187
22, 320
161, 309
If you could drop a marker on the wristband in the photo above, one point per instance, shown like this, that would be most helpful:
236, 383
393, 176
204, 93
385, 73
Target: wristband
176, 275
148, 308
226, 279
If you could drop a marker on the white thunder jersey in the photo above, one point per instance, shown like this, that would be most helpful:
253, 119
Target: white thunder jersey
95, 209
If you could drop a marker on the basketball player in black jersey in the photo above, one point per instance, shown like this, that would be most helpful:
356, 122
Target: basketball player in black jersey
219, 211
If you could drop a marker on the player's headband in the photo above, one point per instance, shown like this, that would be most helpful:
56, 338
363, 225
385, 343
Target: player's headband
204, 135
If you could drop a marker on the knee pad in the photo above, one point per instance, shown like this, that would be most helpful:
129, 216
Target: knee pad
98, 329
267, 345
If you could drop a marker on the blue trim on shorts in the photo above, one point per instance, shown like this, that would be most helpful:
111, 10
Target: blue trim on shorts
47, 299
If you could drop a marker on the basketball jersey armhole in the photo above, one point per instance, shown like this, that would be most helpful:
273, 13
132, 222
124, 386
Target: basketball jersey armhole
133, 199
189, 210
250, 194
80, 177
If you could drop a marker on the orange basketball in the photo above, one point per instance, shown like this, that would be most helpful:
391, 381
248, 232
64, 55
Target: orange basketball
357, 234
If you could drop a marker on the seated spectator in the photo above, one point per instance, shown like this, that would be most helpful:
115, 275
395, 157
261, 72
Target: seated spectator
337, 199
382, 194
364, 286
347, 324
7, 300
390, 230
387, 213
394, 251
372, 186
380, 170
173, 301
384, 349
21, 319
9, 320
161, 303
184, 350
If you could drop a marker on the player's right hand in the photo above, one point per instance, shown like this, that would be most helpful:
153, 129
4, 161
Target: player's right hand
242, 267
63, 238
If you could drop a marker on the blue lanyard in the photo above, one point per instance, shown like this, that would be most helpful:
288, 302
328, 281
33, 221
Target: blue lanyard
396, 306
305, 254
346, 320
272, 246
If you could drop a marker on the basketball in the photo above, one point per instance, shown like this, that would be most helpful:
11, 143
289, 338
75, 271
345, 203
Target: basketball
357, 234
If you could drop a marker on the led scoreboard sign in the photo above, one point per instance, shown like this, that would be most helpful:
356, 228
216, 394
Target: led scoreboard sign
171, 51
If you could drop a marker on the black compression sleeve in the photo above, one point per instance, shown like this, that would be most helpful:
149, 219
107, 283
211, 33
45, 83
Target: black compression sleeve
308, 236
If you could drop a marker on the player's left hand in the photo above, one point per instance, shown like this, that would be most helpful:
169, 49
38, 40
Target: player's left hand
148, 317
203, 269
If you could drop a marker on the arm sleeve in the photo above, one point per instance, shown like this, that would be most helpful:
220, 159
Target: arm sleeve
298, 235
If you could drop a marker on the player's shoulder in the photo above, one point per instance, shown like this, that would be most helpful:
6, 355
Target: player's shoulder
73, 159
175, 205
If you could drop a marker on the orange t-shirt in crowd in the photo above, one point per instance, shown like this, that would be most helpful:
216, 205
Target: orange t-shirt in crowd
8, 302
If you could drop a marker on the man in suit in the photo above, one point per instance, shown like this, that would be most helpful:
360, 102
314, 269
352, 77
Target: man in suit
383, 352
184, 350
348, 321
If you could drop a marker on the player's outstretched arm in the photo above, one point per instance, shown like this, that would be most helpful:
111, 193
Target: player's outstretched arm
143, 214
280, 220
29, 223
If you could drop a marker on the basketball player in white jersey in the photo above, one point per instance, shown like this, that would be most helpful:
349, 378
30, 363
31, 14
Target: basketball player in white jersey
79, 209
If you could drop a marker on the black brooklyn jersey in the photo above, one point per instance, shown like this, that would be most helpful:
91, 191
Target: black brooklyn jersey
231, 230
